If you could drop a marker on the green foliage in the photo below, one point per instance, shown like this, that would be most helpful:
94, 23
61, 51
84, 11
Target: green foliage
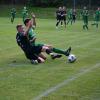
53, 3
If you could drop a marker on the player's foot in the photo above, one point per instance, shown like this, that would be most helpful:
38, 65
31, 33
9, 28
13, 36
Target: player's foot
54, 56
56, 27
34, 62
67, 52
83, 27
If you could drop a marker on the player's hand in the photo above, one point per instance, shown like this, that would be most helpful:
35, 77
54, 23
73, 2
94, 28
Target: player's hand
33, 40
33, 15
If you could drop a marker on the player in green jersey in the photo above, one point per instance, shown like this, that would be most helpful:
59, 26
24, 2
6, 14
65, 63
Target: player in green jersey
70, 16
24, 13
32, 38
13, 14
85, 18
96, 17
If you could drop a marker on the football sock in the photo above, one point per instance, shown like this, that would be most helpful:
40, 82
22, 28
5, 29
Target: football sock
58, 51
48, 51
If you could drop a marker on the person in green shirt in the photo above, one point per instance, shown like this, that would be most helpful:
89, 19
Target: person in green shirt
32, 38
13, 14
70, 16
24, 13
96, 17
85, 15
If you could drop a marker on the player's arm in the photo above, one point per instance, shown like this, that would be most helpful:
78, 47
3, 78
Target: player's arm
27, 29
33, 20
33, 39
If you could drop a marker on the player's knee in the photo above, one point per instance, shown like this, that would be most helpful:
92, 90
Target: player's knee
41, 60
44, 48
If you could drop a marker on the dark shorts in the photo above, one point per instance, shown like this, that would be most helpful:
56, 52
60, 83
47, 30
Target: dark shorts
63, 18
31, 56
32, 52
58, 17
74, 17
37, 49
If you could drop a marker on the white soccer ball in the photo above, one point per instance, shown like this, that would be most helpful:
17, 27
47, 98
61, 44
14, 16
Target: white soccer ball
71, 58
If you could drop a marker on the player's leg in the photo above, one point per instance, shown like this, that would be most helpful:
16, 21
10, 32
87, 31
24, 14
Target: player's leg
62, 20
34, 58
65, 21
59, 51
86, 23
42, 56
64, 52
58, 21
11, 18
50, 52
68, 21
97, 24
71, 21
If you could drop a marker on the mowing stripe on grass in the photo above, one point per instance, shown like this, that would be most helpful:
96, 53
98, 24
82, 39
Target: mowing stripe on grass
55, 88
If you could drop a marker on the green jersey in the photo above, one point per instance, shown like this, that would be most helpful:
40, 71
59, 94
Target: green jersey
70, 13
25, 12
85, 13
97, 15
31, 34
13, 11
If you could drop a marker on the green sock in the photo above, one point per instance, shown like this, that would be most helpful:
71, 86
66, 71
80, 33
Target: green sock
93, 24
97, 25
86, 27
58, 51
83, 26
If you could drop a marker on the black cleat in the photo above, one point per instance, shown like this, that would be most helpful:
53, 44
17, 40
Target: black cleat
56, 56
67, 52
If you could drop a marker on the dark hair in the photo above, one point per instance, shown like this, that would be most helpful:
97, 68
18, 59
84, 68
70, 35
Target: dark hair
19, 25
27, 20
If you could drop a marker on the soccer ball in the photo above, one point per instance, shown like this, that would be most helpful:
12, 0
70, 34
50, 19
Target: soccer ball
71, 58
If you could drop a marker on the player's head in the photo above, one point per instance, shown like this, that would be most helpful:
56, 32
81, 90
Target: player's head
20, 28
98, 8
27, 21
60, 8
64, 8
24, 7
84, 8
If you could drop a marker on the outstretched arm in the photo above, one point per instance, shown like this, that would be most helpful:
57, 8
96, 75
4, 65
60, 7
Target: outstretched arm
33, 20
27, 29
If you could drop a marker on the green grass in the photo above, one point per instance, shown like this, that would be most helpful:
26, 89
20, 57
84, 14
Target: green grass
20, 80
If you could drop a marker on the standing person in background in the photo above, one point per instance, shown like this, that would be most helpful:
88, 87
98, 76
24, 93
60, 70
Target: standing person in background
24, 13
96, 17
70, 17
13, 14
63, 16
58, 16
74, 15
85, 15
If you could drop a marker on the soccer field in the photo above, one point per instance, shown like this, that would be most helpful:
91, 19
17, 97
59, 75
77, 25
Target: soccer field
55, 79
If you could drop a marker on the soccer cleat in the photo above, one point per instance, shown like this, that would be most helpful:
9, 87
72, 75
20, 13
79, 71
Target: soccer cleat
56, 27
54, 56
67, 52
83, 27
34, 62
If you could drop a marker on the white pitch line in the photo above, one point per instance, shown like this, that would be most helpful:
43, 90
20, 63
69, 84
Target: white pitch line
55, 88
